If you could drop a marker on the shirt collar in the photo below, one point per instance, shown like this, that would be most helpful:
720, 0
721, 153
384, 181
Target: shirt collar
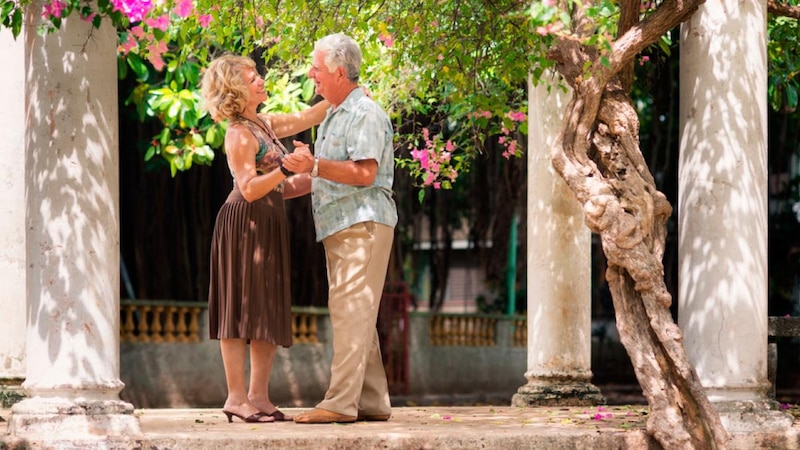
351, 98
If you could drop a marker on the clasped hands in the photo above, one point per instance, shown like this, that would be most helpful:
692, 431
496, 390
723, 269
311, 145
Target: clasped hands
300, 160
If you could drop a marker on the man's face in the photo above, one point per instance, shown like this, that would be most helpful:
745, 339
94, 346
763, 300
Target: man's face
324, 80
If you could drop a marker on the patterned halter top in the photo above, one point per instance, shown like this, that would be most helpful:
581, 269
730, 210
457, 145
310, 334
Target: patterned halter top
270, 148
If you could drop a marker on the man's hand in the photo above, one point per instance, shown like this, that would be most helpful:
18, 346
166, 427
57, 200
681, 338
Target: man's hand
301, 160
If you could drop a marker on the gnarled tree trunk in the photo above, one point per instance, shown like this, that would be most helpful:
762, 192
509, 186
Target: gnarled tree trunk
598, 155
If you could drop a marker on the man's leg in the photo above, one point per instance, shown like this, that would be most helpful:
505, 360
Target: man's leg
357, 260
374, 402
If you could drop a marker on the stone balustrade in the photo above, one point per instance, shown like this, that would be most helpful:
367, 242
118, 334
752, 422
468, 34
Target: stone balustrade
447, 355
176, 321
160, 321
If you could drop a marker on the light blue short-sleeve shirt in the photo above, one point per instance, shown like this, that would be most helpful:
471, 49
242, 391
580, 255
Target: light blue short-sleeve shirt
357, 129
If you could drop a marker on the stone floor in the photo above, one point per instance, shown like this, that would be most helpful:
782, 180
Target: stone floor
422, 427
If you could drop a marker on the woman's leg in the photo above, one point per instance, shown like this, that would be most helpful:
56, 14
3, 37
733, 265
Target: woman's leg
262, 355
234, 354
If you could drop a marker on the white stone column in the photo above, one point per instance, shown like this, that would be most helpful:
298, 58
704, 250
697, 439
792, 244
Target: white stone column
72, 231
12, 214
559, 271
722, 208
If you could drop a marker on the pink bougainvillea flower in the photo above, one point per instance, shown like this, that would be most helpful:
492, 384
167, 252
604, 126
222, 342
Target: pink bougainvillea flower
129, 44
644, 60
161, 22
550, 28
134, 9
53, 9
517, 116
549, 3
138, 31
204, 20
387, 39
88, 18
154, 52
156, 60
184, 8
479, 114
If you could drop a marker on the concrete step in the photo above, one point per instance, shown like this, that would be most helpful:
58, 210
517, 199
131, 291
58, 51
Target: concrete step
483, 427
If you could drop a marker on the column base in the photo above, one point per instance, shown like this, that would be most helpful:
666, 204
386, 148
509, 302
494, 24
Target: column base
82, 423
747, 416
11, 392
560, 393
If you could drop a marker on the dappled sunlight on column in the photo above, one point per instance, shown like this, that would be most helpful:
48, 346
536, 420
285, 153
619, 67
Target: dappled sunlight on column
72, 234
559, 270
723, 208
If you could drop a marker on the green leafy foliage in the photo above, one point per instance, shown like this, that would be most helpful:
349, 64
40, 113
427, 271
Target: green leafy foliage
784, 63
431, 63
11, 14
479, 63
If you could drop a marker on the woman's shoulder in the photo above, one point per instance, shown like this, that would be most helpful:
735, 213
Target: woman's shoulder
267, 118
239, 134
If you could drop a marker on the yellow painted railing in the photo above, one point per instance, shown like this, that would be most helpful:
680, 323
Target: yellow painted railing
452, 329
173, 321
160, 321
305, 324
520, 336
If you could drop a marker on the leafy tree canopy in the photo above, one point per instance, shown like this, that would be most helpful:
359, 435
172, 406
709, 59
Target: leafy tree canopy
457, 69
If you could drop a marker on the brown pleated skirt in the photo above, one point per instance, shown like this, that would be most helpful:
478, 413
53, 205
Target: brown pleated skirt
249, 293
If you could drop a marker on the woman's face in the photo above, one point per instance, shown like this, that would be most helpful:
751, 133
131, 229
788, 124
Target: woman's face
255, 85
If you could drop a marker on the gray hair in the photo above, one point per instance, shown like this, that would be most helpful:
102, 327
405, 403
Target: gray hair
341, 51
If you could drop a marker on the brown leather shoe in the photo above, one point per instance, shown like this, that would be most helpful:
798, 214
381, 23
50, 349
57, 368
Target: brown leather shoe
323, 416
362, 416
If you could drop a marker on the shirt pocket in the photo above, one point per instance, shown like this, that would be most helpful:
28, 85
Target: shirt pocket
336, 145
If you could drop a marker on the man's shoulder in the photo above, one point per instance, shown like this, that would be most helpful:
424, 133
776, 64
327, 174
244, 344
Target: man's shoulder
369, 107
358, 100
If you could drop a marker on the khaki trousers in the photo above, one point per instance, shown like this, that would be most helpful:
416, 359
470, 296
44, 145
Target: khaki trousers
357, 260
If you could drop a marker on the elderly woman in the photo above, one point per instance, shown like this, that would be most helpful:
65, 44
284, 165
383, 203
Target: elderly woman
249, 298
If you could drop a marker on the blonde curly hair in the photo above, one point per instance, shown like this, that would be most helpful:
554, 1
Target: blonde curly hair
225, 92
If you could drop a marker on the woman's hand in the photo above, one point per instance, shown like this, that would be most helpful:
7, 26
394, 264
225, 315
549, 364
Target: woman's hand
300, 160
301, 147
